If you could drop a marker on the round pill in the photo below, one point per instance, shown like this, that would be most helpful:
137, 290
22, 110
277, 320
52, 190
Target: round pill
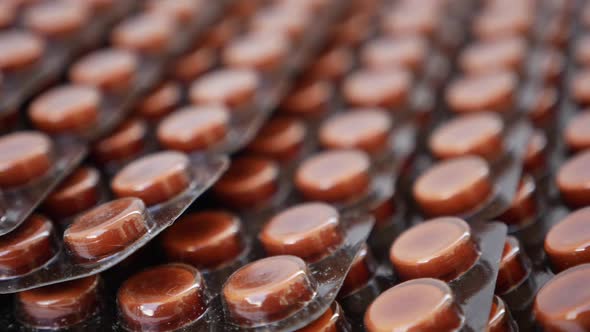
181, 10
78, 192
406, 20
567, 243
494, 24
125, 142
66, 108
441, 248
471, 134
160, 101
280, 19
248, 181
580, 87
263, 52
106, 229
154, 178
27, 247
281, 139
56, 18
416, 305
334, 176
490, 56
207, 239
267, 290
235, 88
308, 98
24, 157
562, 303
372, 88
162, 298
60, 305
365, 129
20, 50
108, 69
573, 180
8, 15
191, 65
408, 52
577, 132
486, 92
146, 33
194, 128
454, 186
309, 231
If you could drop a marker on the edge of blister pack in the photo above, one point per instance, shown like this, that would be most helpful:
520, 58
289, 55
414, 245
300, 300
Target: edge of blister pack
329, 273
63, 267
12, 97
113, 111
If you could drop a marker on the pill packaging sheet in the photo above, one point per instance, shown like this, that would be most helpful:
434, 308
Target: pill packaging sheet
207, 169
506, 172
551, 207
327, 300
63, 266
510, 188
490, 237
329, 273
17, 87
474, 290
113, 109
402, 149
246, 120
152, 67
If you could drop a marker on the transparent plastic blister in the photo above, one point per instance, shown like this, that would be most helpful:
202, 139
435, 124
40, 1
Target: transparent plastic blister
381, 188
508, 175
543, 99
327, 273
428, 67
245, 120
388, 171
521, 298
473, 289
152, 67
19, 202
505, 173
64, 266
112, 109
482, 276
20, 86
